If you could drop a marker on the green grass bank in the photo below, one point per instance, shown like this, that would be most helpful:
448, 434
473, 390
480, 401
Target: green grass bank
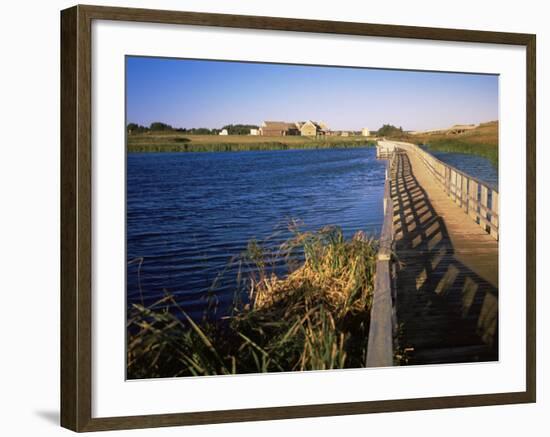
170, 142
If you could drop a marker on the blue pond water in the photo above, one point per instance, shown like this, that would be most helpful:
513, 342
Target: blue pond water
188, 214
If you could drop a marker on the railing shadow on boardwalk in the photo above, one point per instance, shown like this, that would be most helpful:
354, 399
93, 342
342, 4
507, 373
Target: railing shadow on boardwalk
446, 312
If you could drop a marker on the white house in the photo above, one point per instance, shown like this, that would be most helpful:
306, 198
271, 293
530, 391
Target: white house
365, 132
223, 132
254, 132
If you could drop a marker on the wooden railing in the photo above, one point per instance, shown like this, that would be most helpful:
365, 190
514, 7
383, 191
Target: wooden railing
382, 323
384, 150
478, 199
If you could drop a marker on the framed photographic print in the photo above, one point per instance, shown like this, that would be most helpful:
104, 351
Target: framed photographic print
268, 218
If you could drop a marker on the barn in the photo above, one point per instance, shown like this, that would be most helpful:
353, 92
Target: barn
278, 129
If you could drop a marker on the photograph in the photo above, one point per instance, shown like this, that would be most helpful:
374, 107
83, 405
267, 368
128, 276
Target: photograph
270, 206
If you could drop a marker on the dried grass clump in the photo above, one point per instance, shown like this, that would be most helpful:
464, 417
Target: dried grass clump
335, 273
314, 318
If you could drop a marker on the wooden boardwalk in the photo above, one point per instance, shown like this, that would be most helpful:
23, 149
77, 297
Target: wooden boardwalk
445, 278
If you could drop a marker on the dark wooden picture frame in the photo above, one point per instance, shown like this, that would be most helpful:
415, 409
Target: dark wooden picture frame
76, 217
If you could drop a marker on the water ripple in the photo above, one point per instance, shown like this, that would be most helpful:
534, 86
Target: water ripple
190, 214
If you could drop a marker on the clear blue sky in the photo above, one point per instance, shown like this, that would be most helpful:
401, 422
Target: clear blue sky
190, 93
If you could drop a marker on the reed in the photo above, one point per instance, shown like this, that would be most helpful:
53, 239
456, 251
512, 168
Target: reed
315, 317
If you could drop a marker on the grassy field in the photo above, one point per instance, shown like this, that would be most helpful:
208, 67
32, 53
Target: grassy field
178, 142
315, 318
482, 141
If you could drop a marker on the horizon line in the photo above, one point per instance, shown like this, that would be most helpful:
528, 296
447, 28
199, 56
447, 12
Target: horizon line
321, 121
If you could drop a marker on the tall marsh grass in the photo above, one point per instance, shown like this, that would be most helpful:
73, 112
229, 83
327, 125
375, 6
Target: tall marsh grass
460, 146
315, 317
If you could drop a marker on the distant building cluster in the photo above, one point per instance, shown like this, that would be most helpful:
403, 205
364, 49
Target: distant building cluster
307, 128
282, 128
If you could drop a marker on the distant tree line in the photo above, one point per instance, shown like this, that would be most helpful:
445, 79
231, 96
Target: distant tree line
239, 129
198, 131
389, 130
135, 128
157, 126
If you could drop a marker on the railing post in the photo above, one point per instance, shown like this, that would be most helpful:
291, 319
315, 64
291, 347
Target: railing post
458, 189
494, 214
473, 200
465, 194
484, 207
